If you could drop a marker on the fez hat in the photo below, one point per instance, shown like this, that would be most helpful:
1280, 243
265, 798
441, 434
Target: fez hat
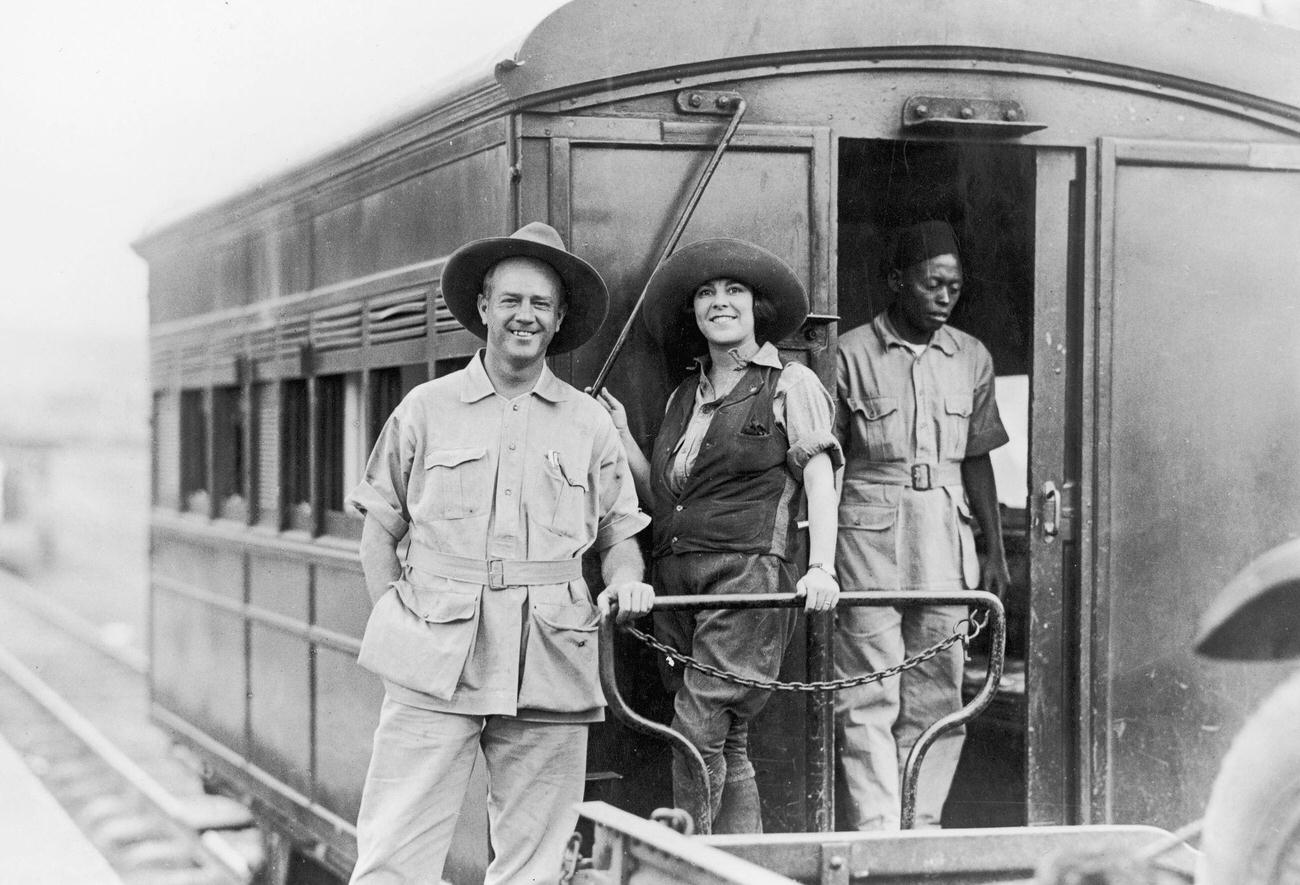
674, 282
586, 301
921, 242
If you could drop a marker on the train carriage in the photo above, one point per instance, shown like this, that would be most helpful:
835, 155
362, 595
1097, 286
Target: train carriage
1125, 178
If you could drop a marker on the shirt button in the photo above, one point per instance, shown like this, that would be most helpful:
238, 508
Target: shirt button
515, 407
513, 447
674, 540
679, 509
509, 492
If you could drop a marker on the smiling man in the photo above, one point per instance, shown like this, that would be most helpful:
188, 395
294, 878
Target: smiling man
917, 419
501, 475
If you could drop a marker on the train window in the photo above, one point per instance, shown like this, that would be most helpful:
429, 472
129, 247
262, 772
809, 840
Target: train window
155, 459
387, 388
295, 471
194, 453
341, 449
263, 459
229, 458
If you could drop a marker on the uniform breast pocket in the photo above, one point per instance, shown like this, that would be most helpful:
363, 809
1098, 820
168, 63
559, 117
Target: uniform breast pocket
955, 426
458, 482
564, 502
878, 423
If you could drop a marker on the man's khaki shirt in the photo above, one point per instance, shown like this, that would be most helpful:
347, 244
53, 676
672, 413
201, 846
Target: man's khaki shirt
470, 473
897, 408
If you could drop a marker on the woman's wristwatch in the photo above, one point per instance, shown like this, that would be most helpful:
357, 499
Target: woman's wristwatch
826, 568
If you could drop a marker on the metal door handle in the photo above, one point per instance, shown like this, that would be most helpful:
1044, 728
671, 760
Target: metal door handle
1051, 509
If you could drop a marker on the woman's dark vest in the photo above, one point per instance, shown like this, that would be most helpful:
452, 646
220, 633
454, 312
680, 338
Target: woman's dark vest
739, 496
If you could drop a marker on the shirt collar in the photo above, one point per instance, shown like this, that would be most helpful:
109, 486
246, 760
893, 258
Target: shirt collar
767, 355
478, 385
943, 339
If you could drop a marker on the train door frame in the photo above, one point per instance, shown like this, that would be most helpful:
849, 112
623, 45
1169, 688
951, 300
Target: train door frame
1055, 763
1056, 769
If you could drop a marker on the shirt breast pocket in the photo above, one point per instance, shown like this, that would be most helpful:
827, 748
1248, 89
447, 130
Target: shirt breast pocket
458, 482
955, 426
878, 423
563, 504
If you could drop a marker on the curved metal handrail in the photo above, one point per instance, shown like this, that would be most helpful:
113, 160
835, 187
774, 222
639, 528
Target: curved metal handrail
912, 768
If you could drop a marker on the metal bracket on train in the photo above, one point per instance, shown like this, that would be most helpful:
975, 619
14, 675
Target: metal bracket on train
707, 101
816, 324
948, 115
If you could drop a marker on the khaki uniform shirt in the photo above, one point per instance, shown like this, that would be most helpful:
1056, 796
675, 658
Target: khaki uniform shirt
898, 408
541, 477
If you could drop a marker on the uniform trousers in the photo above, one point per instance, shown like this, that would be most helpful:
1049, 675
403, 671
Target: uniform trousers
713, 714
879, 722
417, 780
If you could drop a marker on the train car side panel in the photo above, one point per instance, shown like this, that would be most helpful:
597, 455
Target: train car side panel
1203, 472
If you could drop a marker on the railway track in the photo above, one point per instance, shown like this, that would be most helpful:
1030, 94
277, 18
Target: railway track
75, 709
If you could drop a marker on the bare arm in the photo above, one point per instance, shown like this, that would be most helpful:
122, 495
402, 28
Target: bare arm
378, 558
820, 588
623, 569
636, 461
982, 490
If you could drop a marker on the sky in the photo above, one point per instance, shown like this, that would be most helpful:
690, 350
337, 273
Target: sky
115, 117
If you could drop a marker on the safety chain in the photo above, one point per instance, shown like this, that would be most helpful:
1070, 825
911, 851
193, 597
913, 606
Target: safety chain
963, 631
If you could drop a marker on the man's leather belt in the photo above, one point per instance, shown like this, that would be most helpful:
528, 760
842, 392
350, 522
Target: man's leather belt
494, 573
921, 477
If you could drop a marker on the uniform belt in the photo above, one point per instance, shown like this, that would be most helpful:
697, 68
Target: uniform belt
494, 573
920, 476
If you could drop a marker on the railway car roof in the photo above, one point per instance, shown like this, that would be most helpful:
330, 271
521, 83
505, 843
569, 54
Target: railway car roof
1184, 41
591, 46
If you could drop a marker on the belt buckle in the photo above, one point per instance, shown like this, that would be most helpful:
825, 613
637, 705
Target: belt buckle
921, 479
496, 574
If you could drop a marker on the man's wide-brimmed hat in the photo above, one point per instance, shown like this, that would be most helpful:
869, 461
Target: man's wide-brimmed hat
666, 310
586, 298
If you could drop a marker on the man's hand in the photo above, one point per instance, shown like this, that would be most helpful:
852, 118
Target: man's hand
820, 590
631, 599
995, 577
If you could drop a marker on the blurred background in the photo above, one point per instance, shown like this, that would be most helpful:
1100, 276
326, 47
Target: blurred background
117, 118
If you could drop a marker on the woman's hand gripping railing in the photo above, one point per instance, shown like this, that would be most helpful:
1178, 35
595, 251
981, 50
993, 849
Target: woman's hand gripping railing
963, 631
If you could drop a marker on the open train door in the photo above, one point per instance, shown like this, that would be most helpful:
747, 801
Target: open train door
1197, 418
614, 186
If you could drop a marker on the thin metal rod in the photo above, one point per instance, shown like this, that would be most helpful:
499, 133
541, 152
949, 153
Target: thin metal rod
687, 211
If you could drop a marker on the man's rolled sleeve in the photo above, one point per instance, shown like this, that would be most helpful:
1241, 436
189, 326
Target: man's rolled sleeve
620, 516
808, 416
382, 492
985, 432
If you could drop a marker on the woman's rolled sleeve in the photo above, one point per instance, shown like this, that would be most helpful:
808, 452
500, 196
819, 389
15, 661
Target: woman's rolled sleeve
807, 413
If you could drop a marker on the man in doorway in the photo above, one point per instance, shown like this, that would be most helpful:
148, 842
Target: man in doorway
917, 419
500, 475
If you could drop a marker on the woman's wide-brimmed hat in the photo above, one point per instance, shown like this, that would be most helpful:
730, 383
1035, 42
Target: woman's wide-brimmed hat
586, 302
674, 282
